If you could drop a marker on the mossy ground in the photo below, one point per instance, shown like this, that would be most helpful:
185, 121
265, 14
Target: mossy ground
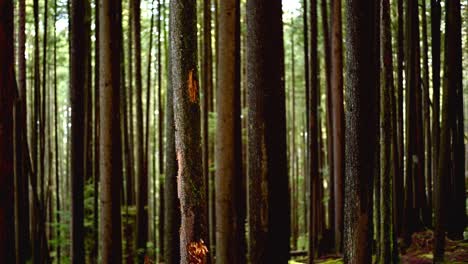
419, 252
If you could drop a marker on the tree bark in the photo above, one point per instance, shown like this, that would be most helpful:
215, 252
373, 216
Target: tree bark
313, 130
361, 104
7, 96
77, 101
269, 210
191, 184
387, 147
109, 126
337, 119
230, 201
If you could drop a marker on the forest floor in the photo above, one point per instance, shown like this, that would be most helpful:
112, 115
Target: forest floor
419, 252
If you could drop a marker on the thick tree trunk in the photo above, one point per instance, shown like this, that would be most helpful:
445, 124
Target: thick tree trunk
109, 126
77, 101
337, 119
457, 210
361, 106
22, 231
230, 201
268, 180
7, 97
191, 184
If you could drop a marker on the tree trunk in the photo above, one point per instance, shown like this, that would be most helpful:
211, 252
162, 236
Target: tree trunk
305, 32
109, 126
191, 184
7, 97
269, 210
172, 204
386, 142
142, 175
457, 212
77, 100
313, 130
427, 217
399, 173
22, 231
230, 201
435, 48
337, 119
361, 104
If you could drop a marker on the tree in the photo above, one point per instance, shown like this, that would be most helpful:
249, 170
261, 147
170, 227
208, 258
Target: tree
337, 119
267, 172
230, 202
22, 230
360, 129
142, 174
313, 130
7, 97
191, 185
172, 203
454, 78
388, 147
109, 129
77, 100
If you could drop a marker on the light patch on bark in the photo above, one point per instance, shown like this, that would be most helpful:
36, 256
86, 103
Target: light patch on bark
192, 87
179, 174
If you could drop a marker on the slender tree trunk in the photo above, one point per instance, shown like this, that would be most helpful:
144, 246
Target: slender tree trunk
337, 119
399, 173
387, 147
109, 129
57, 154
305, 32
292, 154
230, 201
77, 94
7, 96
162, 218
191, 184
142, 175
361, 104
427, 217
435, 48
313, 130
172, 203
269, 210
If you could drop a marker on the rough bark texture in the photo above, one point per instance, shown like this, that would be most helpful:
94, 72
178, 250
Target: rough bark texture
338, 119
191, 185
172, 204
7, 97
360, 129
267, 172
230, 201
77, 94
110, 141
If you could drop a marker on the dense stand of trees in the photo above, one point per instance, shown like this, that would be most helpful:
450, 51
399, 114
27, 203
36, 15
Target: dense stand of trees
265, 131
